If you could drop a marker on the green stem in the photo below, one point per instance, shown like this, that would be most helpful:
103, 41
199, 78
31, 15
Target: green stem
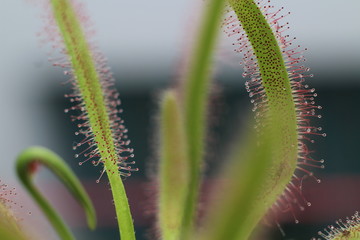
123, 213
196, 95
93, 98
25, 164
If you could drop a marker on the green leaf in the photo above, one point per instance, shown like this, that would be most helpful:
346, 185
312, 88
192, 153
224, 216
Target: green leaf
272, 155
173, 168
25, 164
97, 103
278, 110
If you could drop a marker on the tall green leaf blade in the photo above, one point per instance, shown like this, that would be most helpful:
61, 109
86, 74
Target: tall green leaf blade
98, 103
196, 93
173, 168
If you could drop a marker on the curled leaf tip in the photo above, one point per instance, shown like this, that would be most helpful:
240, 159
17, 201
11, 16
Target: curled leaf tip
42, 156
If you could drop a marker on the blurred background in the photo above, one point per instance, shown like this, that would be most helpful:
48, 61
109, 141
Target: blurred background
145, 42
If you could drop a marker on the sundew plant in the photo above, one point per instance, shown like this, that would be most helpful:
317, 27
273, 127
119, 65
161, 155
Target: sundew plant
263, 173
